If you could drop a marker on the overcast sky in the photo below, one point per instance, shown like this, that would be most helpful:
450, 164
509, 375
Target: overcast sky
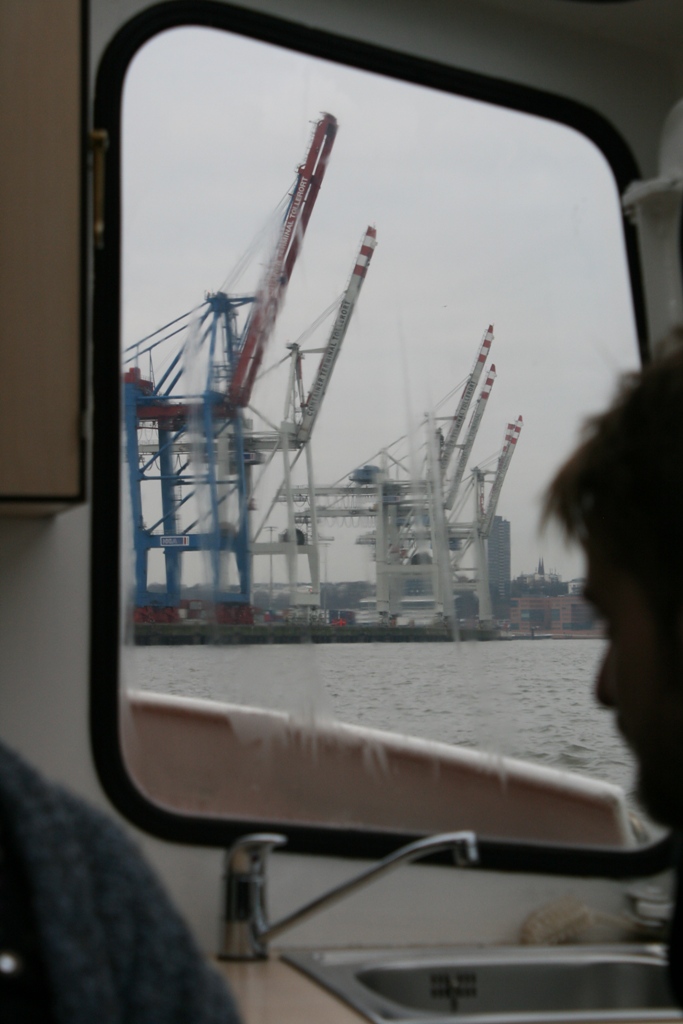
482, 216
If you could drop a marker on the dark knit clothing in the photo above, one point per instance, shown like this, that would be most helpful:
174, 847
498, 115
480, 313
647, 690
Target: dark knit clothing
113, 948
25, 993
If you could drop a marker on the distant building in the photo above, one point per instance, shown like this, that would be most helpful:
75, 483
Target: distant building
539, 583
566, 615
499, 566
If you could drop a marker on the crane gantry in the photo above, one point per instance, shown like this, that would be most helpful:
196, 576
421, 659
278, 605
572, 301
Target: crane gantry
419, 529
296, 429
185, 432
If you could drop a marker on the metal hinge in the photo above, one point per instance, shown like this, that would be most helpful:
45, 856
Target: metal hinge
99, 141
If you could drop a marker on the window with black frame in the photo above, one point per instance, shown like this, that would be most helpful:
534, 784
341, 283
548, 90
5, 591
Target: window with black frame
362, 321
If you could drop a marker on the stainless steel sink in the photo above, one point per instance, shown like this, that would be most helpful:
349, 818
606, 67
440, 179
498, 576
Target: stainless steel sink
498, 985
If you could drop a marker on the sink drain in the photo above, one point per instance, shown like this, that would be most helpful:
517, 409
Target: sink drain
454, 987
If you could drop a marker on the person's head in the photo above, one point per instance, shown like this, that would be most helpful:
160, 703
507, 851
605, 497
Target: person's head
621, 495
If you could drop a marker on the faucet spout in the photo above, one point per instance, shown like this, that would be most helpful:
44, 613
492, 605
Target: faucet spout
246, 931
244, 922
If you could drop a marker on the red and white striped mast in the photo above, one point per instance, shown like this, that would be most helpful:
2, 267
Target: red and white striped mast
465, 400
472, 429
511, 438
311, 406
273, 286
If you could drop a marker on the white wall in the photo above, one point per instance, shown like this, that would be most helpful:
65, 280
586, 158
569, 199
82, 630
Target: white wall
44, 578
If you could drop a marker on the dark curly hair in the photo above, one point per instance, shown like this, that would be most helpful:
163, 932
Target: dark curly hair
623, 486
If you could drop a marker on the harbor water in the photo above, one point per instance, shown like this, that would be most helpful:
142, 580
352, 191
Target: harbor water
526, 699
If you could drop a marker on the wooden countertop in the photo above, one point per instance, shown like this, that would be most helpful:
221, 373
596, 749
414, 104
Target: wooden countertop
273, 992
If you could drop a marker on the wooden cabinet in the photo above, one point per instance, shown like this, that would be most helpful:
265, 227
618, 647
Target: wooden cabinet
41, 319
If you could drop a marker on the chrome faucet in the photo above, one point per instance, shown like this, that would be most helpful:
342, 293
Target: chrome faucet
245, 928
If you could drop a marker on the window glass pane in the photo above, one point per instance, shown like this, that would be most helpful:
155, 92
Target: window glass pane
321, 267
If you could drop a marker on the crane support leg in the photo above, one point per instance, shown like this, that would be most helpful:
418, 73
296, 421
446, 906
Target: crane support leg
285, 431
314, 553
134, 479
170, 524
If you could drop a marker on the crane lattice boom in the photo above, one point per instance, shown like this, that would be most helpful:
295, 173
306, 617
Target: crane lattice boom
465, 399
466, 449
311, 406
511, 438
272, 289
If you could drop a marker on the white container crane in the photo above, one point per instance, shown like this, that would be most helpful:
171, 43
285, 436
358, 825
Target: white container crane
466, 449
273, 286
296, 435
484, 514
511, 437
311, 407
465, 399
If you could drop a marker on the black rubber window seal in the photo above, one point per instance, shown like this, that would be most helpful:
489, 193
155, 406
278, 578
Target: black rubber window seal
496, 854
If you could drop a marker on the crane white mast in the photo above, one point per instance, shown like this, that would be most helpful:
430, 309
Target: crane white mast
478, 532
465, 400
470, 437
511, 437
296, 435
311, 407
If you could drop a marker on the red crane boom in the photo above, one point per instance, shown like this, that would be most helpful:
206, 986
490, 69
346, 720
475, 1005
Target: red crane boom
273, 286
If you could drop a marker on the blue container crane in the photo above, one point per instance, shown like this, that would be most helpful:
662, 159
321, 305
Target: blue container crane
195, 416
